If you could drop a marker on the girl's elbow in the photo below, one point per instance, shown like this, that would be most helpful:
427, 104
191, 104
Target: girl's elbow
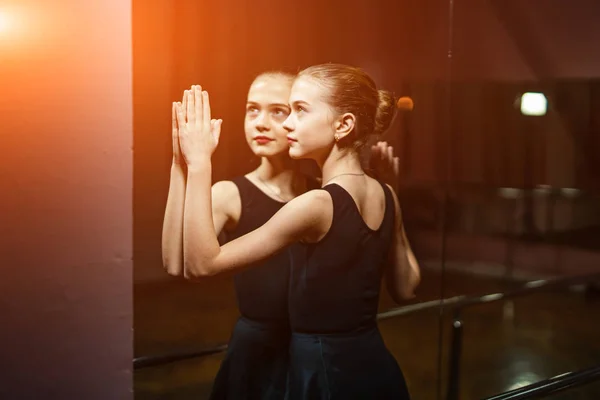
406, 290
401, 293
406, 294
409, 288
416, 279
173, 271
194, 269
172, 267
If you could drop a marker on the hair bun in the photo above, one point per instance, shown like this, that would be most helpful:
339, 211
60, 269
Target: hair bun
386, 110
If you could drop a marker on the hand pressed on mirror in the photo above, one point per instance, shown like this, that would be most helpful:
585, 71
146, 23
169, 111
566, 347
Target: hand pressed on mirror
198, 133
383, 163
178, 158
172, 233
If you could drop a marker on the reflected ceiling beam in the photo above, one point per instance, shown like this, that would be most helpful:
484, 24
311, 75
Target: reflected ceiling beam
517, 25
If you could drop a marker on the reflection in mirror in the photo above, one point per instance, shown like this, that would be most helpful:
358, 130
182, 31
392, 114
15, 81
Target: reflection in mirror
181, 327
523, 226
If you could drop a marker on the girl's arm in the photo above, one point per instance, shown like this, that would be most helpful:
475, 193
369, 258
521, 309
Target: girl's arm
403, 274
302, 219
226, 204
172, 232
307, 217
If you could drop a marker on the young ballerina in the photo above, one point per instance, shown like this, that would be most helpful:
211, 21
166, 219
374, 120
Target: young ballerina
350, 234
255, 366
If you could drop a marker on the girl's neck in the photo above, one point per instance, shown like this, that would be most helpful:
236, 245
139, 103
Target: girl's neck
281, 176
340, 162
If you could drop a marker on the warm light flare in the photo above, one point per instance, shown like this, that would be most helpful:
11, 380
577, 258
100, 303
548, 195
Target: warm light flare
5, 22
25, 32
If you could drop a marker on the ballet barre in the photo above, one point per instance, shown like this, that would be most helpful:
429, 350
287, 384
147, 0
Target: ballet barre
457, 323
456, 305
559, 383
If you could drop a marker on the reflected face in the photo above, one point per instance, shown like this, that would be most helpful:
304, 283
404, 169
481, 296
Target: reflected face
266, 109
310, 125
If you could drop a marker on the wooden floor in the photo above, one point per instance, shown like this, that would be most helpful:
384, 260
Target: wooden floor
505, 345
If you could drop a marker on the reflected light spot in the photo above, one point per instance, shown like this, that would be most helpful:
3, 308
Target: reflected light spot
524, 380
534, 104
510, 193
570, 192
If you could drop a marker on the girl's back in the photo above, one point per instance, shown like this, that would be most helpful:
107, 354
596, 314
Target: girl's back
336, 281
336, 349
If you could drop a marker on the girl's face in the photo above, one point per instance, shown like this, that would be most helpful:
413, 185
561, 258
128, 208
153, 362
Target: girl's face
266, 109
310, 125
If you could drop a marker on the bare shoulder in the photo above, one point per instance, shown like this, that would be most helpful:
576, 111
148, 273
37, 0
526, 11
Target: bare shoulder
313, 206
312, 200
314, 211
226, 198
225, 189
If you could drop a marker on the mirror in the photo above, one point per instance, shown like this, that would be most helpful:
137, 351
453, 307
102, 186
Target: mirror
523, 198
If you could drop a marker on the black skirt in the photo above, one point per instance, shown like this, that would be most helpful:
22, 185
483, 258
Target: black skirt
256, 364
348, 366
